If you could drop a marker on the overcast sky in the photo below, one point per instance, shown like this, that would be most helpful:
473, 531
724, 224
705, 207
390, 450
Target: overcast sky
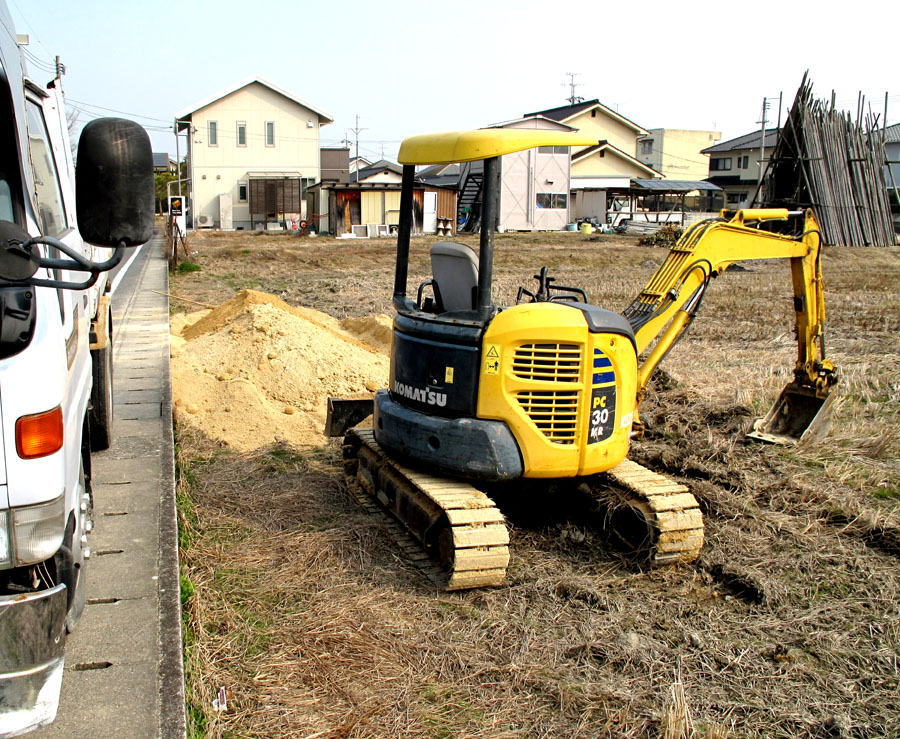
414, 67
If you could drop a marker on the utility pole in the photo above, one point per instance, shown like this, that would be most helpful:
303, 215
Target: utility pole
356, 131
177, 157
762, 140
572, 84
60, 70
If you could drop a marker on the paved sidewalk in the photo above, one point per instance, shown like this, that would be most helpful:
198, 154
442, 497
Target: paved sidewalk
123, 675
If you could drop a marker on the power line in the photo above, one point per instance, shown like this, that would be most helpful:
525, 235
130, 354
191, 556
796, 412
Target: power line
31, 28
122, 112
36, 61
94, 114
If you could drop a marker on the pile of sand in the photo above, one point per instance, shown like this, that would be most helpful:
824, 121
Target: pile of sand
255, 370
374, 330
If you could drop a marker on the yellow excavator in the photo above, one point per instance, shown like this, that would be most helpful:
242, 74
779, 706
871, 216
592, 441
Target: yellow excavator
548, 389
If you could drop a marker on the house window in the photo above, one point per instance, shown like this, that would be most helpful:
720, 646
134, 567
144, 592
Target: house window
646, 147
552, 200
553, 150
213, 133
242, 192
270, 133
241, 137
743, 162
720, 165
735, 198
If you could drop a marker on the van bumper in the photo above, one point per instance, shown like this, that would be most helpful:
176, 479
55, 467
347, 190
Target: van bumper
32, 639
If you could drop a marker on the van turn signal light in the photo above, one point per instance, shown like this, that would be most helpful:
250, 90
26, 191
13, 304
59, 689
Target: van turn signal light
40, 434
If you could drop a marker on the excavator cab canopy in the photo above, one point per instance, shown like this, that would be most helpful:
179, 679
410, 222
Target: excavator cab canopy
484, 143
487, 144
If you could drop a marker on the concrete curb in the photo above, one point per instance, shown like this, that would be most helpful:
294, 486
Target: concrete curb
172, 717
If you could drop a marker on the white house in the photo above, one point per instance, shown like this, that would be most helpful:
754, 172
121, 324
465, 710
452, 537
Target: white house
609, 164
253, 149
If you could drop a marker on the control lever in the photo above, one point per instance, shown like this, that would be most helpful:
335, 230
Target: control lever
546, 288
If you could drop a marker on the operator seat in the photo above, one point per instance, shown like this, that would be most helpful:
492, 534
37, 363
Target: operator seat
454, 268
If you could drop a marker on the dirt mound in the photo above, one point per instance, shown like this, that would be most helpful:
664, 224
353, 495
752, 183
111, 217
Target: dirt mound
375, 330
180, 321
255, 371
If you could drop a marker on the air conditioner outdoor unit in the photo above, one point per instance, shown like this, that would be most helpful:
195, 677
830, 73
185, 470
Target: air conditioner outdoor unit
204, 221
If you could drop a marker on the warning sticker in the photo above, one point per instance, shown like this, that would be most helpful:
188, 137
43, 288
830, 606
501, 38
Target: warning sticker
492, 360
448, 375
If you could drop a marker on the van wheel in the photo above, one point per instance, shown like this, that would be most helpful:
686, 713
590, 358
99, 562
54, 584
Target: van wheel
101, 412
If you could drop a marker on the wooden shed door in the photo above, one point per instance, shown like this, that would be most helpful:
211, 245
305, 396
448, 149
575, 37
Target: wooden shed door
270, 199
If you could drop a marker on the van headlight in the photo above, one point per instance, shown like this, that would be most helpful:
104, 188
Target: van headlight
37, 531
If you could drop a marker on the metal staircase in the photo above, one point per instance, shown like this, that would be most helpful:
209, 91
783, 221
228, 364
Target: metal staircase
468, 204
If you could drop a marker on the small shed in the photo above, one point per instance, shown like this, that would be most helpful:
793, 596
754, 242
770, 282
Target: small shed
373, 208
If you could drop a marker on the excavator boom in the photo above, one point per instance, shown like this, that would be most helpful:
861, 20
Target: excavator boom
669, 301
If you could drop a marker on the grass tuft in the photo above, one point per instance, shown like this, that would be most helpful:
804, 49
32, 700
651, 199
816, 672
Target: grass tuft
186, 267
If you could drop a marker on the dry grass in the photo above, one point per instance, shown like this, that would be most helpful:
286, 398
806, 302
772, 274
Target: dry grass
788, 626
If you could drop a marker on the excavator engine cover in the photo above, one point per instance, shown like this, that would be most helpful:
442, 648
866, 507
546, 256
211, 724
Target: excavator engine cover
562, 377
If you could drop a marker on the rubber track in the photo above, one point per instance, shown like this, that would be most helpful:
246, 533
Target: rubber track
669, 508
471, 521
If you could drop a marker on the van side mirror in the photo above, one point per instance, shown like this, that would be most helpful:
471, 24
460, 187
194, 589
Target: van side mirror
114, 188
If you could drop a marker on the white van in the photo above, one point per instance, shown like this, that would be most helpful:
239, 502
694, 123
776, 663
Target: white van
60, 232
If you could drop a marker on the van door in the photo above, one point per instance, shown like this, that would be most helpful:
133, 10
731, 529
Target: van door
55, 216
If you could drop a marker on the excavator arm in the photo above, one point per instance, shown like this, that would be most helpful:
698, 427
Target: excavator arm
671, 298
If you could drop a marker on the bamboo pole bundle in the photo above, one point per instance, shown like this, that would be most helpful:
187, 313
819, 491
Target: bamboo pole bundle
826, 160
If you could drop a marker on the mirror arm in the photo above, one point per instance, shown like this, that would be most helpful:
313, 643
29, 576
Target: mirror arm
61, 284
113, 261
77, 263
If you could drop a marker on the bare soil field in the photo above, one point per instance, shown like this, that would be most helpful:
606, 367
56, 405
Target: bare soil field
299, 604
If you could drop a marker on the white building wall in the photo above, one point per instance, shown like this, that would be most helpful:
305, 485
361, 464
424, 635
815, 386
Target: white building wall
380, 177
526, 174
218, 169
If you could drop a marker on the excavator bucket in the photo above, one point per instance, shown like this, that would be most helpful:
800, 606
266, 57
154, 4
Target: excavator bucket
798, 415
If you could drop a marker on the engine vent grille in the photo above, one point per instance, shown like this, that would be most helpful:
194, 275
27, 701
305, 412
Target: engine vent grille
554, 412
548, 362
